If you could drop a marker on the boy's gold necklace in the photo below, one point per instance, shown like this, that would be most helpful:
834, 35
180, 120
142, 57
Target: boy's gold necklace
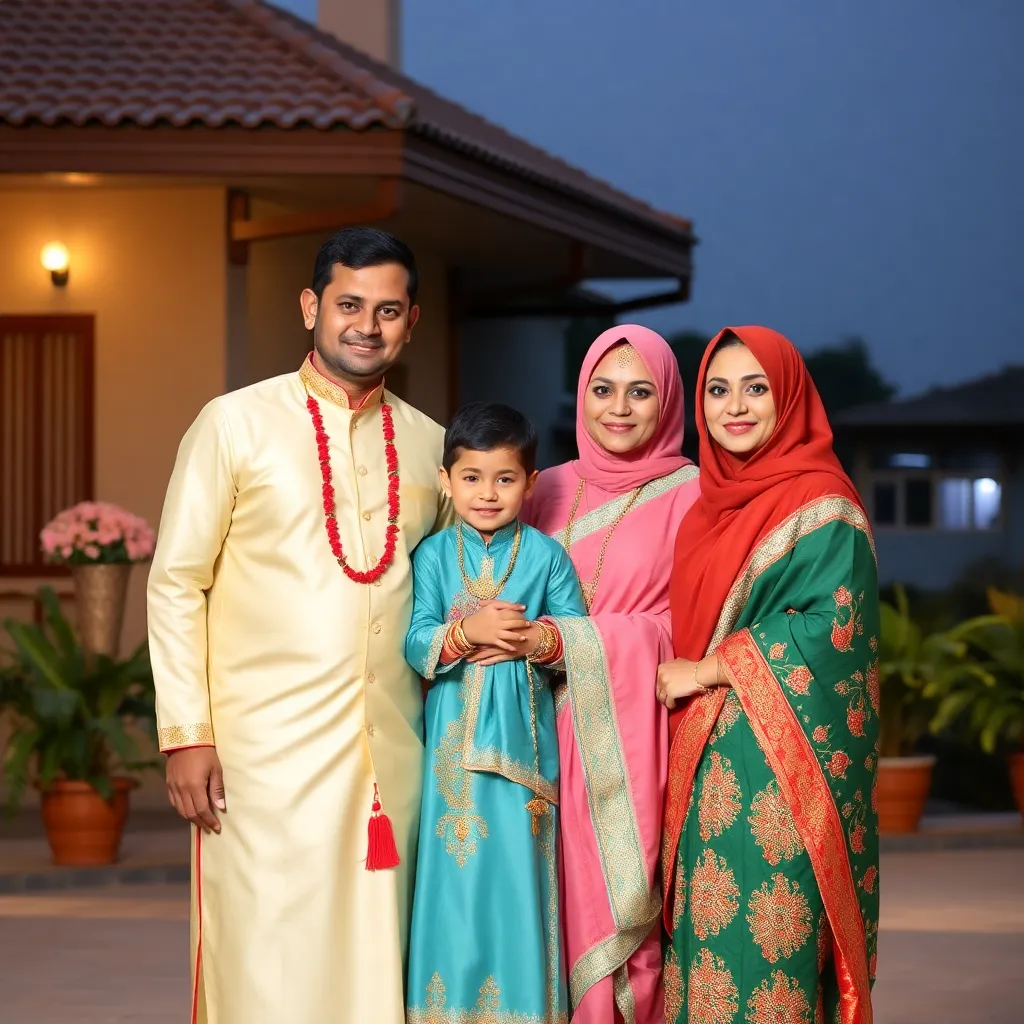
590, 588
482, 589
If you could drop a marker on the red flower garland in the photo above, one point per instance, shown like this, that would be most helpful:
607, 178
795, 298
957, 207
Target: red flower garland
331, 520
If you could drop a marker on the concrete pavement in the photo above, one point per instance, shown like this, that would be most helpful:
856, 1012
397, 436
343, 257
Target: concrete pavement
951, 949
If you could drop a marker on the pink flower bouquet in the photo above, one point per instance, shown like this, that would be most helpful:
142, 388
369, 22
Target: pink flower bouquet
96, 532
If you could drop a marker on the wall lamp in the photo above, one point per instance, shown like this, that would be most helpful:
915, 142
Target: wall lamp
56, 260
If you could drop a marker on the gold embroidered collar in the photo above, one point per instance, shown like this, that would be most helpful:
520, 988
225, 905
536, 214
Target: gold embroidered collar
322, 387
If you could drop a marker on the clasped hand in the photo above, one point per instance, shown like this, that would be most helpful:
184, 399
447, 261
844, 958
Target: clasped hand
499, 633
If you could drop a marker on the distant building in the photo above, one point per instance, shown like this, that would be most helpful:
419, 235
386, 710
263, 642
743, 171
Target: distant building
942, 476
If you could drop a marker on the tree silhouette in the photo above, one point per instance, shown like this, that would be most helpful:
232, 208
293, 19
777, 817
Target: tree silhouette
845, 376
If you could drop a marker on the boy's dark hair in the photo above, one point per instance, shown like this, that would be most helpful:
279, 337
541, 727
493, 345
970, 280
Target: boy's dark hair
486, 426
361, 247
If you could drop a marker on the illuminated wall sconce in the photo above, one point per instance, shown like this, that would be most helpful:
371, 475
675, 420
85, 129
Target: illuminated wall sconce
56, 260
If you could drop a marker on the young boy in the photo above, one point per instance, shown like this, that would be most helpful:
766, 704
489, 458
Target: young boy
485, 941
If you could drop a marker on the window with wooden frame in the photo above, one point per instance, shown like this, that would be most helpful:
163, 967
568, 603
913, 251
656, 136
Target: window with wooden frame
46, 431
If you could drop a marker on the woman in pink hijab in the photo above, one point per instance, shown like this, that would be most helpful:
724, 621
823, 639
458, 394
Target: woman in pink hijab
616, 509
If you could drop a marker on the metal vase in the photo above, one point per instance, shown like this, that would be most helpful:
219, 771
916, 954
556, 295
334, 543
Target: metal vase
100, 593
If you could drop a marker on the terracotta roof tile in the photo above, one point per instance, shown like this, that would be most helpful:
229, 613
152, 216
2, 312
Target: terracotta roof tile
241, 62
210, 62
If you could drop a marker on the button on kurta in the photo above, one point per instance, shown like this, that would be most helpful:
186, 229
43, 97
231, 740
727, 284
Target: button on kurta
367, 516
369, 730
371, 678
375, 627
361, 470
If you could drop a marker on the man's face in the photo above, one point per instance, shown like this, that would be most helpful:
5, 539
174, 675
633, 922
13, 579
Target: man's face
362, 321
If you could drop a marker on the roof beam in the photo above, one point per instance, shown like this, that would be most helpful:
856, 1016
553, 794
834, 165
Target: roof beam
562, 306
229, 151
385, 203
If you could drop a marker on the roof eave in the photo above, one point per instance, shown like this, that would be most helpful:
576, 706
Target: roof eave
660, 245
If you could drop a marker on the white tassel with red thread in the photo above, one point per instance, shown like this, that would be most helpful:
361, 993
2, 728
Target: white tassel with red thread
381, 849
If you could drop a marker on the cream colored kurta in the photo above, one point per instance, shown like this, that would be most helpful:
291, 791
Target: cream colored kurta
262, 646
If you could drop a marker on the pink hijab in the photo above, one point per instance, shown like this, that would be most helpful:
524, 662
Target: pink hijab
663, 453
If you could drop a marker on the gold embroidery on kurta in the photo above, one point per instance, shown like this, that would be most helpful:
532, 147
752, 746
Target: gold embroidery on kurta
195, 734
460, 828
436, 992
317, 384
435, 1009
434, 652
490, 995
491, 759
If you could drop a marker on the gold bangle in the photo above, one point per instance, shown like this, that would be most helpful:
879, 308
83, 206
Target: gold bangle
546, 645
696, 681
458, 637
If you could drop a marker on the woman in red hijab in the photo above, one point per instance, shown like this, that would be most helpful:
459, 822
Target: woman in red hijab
770, 854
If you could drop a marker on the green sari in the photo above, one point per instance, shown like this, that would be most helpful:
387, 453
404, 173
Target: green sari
770, 858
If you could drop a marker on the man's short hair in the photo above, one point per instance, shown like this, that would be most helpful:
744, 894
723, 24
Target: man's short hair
361, 247
486, 427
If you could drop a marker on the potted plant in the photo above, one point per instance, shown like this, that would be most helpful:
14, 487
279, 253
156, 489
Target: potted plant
71, 711
990, 700
916, 671
99, 542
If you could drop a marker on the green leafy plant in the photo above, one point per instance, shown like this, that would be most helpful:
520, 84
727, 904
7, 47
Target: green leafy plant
71, 711
989, 701
917, 672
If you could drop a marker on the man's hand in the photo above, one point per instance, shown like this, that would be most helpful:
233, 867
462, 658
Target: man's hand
496, 624
195, 785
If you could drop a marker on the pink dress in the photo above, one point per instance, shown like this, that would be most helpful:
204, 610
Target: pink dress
612, 732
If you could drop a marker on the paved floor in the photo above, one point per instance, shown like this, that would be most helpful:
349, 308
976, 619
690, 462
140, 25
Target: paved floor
951, 948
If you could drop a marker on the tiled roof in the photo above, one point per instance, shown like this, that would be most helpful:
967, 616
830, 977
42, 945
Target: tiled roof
997, 399
210, 62
239, 62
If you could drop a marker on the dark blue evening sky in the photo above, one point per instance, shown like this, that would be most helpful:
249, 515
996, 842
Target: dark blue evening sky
851, 166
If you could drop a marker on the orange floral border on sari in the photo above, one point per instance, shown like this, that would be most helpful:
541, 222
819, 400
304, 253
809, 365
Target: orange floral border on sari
802, 783
696, 726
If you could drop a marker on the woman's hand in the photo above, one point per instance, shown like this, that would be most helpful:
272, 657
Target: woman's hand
683, 678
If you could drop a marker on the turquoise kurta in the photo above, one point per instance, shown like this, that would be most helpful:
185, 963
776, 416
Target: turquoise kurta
485, 941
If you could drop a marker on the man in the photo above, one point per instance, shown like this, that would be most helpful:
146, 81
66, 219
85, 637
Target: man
279, 598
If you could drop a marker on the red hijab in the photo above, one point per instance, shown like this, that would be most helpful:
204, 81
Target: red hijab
663, 453
741, 502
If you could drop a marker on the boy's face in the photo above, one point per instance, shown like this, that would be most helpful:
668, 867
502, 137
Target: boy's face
488, 488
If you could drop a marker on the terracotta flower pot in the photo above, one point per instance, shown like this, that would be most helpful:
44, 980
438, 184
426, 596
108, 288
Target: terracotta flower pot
903, 785
100, 593
1016, 764
83, 829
